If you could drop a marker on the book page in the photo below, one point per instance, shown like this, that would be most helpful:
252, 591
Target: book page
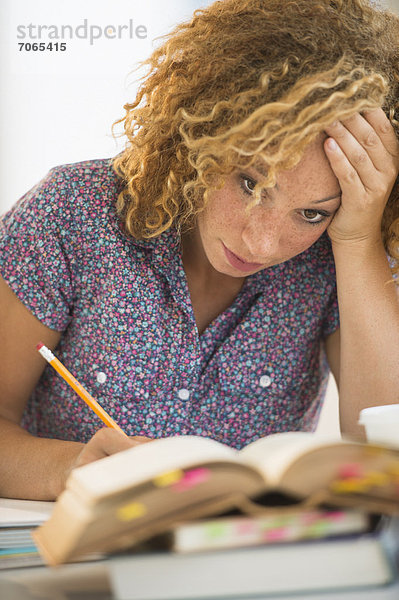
142, 463
14, 513
274, 453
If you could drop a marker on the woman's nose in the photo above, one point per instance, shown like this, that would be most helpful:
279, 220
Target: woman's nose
262, 234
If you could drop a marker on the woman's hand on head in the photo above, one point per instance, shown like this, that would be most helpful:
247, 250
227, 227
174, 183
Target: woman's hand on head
363, 152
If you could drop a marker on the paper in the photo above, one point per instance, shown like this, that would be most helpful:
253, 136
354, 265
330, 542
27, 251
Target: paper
14, 513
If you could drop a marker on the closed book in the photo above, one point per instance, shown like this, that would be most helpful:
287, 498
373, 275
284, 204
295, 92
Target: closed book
358, 561
18, 518
278, 527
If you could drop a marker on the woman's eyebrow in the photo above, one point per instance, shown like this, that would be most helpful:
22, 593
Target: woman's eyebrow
327, 199
262, 171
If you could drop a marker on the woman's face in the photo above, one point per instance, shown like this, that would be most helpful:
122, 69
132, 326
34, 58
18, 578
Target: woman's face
289, 219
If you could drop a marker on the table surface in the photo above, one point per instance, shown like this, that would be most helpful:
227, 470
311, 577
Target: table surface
91, 582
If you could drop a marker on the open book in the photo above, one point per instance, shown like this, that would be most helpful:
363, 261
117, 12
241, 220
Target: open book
113, 503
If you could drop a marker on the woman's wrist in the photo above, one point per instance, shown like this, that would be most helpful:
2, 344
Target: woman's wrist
67, 453
368, 248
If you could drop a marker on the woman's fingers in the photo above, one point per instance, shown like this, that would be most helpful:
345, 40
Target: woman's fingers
364, 149
380, 123
371, 148
349, 180
363, 152
107, 441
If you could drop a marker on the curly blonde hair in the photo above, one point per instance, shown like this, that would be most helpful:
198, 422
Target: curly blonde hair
246, 81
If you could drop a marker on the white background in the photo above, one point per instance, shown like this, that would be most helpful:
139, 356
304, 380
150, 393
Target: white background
58, 107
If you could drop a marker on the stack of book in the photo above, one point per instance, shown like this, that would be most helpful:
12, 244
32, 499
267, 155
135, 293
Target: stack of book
355, 560
289, 512
18, 519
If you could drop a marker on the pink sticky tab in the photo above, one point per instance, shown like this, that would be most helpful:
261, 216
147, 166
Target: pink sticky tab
350, 470
277, 534
191, 479
245, 527
310, 518
337, 515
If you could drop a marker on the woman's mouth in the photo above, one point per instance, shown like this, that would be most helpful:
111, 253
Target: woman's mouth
239, 263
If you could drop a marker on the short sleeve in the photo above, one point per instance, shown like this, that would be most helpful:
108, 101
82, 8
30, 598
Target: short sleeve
33, 259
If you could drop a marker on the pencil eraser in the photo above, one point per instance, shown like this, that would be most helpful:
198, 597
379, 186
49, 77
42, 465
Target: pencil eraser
40, 345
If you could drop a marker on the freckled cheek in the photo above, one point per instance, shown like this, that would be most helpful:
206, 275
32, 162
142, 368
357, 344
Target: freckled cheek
301, 240
226, 215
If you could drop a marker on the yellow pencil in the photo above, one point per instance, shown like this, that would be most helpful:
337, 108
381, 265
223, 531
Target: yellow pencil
79, 389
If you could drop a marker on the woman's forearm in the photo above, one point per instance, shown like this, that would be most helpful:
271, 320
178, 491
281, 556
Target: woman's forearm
369, 318
33, 468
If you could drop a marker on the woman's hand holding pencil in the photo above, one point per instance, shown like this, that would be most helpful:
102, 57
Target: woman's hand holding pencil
107, 440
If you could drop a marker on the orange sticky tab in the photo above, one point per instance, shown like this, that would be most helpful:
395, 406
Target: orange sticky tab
131, 511
168, 478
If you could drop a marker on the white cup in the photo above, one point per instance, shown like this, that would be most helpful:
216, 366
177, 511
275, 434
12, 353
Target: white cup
381, 424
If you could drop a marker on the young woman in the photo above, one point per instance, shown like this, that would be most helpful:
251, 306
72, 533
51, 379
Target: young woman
206, 279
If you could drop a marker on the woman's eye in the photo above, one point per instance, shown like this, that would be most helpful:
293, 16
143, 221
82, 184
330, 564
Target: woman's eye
248, 184
314, 216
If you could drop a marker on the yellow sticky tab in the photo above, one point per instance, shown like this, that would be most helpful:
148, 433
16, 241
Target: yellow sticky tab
349, 485
373, 450
131, 511
168, 478
393, 469
377, 478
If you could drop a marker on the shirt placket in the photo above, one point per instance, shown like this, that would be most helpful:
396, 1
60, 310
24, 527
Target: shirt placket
167, 260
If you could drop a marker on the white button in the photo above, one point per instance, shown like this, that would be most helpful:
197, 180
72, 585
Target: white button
265, 381
101, 377
183, 394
